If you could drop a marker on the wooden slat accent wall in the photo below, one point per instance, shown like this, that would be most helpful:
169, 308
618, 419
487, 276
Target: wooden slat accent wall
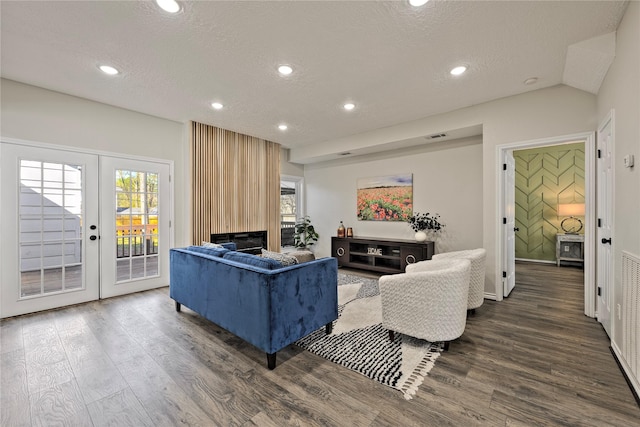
235, 184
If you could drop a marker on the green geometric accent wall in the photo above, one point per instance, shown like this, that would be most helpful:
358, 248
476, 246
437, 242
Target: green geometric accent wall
545, 177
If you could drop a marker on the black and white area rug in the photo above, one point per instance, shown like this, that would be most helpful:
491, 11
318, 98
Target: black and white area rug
360, 343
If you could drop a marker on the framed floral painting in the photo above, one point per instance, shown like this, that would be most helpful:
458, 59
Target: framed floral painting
385, 198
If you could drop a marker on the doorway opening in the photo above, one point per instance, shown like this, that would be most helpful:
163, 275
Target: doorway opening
506, 208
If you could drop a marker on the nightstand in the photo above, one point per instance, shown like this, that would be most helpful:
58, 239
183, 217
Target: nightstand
569, 247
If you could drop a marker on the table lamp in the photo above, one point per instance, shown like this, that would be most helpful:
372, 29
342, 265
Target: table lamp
571, 224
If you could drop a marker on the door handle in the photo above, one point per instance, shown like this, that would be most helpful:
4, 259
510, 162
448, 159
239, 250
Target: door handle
92, 237
604, 241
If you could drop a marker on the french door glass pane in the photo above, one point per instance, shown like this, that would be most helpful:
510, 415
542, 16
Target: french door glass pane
50, 228
136, 219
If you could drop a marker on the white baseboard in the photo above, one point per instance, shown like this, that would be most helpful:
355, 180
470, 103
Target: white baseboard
540, 261
633, 381
490, 296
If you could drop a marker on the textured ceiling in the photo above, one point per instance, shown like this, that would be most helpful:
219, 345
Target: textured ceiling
390, 59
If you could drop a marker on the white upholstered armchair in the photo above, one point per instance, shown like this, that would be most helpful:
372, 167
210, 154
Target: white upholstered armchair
429, 301
476, 281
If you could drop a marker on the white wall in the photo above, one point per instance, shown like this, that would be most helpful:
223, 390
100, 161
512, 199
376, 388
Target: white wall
549, 112
38, 115
620, 91
288, 168
437, 169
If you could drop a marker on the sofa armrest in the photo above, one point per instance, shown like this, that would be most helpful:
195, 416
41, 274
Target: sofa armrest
304, 297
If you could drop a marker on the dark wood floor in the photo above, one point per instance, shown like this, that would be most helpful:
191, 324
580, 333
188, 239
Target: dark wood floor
531, 360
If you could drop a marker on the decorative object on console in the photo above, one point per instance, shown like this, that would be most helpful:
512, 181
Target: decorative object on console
420, 223
305, 234
385, 198
571, 224
341, 230
349, 232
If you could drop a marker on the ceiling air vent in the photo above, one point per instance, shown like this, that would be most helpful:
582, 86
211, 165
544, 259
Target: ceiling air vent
437, 135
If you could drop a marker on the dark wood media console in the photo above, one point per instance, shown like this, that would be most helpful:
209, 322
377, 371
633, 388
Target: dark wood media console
382, 255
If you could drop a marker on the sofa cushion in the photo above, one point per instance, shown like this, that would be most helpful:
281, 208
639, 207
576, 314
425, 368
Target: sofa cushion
210, 245
283, 259
219, 252
302, 256
256, 261
227, 245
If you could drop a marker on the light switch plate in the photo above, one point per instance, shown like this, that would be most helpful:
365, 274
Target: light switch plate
628, 161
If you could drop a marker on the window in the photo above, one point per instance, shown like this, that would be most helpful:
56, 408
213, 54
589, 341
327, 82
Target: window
136, 225
290, 208
50, 227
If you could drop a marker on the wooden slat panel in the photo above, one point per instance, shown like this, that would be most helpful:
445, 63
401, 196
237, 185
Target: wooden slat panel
235, 184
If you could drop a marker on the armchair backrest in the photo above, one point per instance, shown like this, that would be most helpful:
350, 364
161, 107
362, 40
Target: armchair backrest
478, 267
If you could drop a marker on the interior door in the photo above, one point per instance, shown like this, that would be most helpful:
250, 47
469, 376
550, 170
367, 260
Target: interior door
49, 247
605, 222
135, 229
509, 223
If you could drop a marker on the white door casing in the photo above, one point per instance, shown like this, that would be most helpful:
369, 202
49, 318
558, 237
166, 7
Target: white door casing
604, 275
49, 203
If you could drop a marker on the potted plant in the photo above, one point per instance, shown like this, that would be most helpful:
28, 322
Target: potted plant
304, 235
421, 223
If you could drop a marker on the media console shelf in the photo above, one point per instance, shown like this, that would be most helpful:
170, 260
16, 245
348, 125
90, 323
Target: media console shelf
382, 255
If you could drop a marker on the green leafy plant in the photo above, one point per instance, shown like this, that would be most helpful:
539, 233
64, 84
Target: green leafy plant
305, 234
426, 221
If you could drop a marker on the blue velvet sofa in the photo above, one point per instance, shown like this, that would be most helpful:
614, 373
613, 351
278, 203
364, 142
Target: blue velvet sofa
256, 299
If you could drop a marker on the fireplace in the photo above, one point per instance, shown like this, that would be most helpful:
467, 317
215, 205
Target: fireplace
251, 242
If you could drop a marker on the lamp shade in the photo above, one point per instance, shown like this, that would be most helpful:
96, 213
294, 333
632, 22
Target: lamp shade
571, 209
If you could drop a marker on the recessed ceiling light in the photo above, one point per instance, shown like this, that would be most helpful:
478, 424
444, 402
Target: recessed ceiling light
282, 126
531, 80
349, 106
170, 6
107, 69
217, 105
458, 70
285, 70
417, 3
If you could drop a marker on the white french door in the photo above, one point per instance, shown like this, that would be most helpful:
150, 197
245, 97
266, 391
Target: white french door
77, 227
135, 225
49, 248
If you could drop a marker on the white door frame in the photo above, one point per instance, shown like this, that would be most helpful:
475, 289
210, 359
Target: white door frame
590, 205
